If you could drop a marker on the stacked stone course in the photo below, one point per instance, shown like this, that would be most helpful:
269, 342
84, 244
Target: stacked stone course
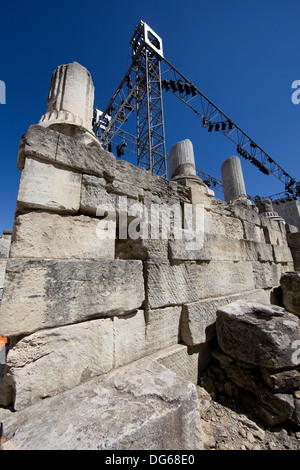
77, 305
60, 273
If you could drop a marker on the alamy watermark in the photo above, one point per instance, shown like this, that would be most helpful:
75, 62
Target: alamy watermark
135, 220
296, 94
2, 92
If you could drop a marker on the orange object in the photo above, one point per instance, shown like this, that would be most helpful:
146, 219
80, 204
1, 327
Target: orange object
3, 341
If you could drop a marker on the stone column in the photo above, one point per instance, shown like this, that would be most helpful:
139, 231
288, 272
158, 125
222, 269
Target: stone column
182, 170
182, 160
233, 180
70, 103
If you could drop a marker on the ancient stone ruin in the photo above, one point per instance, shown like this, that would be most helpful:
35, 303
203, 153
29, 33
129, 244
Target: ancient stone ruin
119, 283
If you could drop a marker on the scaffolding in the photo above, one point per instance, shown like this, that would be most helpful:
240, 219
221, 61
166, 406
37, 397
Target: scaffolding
141, 90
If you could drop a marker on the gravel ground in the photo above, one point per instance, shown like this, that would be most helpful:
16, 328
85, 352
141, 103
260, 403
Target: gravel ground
229, 425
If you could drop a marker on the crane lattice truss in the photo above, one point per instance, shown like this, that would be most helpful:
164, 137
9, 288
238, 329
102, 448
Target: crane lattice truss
149, 75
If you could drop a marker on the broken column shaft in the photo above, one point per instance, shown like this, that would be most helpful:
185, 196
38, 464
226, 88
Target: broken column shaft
233, 180
70, 103
182, 160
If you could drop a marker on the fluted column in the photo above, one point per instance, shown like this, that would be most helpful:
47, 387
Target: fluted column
182, 160
233, 180
70, 102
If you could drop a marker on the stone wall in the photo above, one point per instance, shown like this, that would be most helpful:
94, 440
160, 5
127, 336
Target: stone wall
289, 209
82, 299
5, 241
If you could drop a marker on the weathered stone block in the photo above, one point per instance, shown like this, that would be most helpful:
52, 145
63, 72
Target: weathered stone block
281, 382
162, 328
229, 226
133, 175
46, 235
94, 195
274, 231
49, 145
267, 275
198, 322
188, 282
176, 281
258, 334
143, 249
253, 232
154, 409
125, 189
294, 244
4, 247
245, 212
3, 263
45, 186
181, 361
129, 338
51, 361
275, 408
221, 248
290, 286
255, 251
48, 293
282, 254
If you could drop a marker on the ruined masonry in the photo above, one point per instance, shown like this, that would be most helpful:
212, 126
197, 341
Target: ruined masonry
108, 335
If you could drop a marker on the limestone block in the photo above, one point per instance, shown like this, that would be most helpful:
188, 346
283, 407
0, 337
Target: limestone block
190, 249
45, 235
258, 334
3, 263
49, 293
51, 361
124, 189
188, 282
198, 323
290, 286
274, 232
45, 186
48, 145
153, 407
282, 254
221, 248
200, 193
256, 251
178, 288
245, 212
181, 361
162, 328
4, 247
143, 249
129, 338
253, 232
133, 175
229, 226
94, 195
267, 275
38, 142
294, 244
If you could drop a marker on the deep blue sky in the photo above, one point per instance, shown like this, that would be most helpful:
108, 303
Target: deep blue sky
243, 55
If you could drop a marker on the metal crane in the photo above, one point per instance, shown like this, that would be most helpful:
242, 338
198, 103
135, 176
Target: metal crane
149, 75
